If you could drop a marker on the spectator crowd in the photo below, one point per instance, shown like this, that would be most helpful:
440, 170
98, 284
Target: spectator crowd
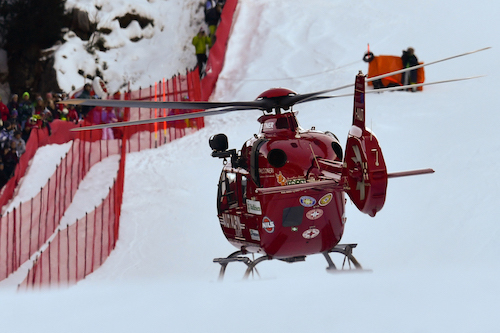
19, 116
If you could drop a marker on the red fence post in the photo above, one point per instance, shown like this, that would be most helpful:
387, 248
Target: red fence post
77, 226
47, 211
20, 235
31, 227
56, 191
14, 243
7, 247
58, 256
50, 268
102, 230
67, 244
93, 239
85, 248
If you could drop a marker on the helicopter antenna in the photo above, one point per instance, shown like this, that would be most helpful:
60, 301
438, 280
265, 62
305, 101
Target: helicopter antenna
314, 156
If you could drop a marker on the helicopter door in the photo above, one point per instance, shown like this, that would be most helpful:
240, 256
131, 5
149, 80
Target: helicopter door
254, 161
227, 191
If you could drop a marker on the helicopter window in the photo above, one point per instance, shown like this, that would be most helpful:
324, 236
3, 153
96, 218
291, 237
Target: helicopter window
277, 158
282, 123
227, 191
338, 150
268, 126
231, 188
254, 160
273, 124
231, 177
244, 188
292, 216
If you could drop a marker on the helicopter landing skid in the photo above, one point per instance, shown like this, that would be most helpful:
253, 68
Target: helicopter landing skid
238, 256
349, 264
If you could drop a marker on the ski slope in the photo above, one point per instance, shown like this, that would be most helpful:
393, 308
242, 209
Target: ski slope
433, 248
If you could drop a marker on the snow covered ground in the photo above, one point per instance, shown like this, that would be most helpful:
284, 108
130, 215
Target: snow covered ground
136, 55
433, 248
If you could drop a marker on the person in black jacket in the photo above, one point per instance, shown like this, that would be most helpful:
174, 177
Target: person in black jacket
85, 94
212, 17
409, 60
3, 176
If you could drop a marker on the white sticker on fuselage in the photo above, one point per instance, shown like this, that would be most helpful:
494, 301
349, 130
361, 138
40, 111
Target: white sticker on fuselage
253, 207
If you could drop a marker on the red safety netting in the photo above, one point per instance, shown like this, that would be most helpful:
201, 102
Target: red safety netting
24, 230
79, 249
38, 138
67, 254
178, 88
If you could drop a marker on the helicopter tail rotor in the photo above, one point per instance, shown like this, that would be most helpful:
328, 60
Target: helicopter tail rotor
364, 173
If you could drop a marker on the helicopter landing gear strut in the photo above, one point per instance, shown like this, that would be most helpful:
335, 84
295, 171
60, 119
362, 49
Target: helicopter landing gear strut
238, 256
349, 263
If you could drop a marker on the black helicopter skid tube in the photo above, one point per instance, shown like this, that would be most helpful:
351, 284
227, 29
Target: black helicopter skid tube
239, 256
349, 264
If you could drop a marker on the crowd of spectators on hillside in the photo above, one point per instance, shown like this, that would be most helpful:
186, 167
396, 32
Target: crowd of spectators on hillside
19, 116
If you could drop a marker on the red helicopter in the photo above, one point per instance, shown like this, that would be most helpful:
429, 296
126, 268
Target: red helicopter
283, 194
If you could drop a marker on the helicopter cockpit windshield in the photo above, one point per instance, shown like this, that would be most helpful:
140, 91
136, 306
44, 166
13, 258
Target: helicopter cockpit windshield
279, 124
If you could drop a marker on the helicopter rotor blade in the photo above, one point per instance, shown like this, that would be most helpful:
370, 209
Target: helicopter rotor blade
186, 105
284, 102
416, 85
288, 101
219, 111
264, 104
423, 65
162, 119
301, 98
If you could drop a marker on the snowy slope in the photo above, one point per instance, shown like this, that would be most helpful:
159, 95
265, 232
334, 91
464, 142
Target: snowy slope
433, 248
136, 56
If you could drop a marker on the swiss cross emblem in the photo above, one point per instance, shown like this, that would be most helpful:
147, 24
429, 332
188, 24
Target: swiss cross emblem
310, 233
314, 214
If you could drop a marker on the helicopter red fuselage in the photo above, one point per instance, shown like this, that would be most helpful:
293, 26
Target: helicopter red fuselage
287, 223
